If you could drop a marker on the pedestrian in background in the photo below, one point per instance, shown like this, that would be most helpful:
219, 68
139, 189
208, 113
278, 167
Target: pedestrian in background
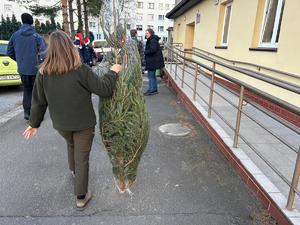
140, 45
91, 37
154, 60
64, 84
88, 53
28, 49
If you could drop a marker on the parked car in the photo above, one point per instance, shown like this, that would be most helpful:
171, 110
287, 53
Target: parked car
101, 47
8, 68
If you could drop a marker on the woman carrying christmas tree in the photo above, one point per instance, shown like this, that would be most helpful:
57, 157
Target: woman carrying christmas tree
64, 84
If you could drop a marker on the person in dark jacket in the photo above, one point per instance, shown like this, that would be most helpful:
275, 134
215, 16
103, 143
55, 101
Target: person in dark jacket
64, 85
91, 37
88, 53
139, 43
154, 60
27, 48
78, 43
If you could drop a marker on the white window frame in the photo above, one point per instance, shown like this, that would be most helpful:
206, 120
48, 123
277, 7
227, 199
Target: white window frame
150, 17
139, 16
7, 8
160, 6
142, 5
273, 43
152, 4
229, 22
162, 17
159, 30
140, 27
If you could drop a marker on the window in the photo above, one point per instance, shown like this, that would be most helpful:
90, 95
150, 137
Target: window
161, 6
139, 27
150, 17
128, 26
165, 39
227, 15
93, 24
139, 16
272, 23
167, 6
160, 28
151, 6
161, 17
3, 49
150, 27
7, 8
140, 5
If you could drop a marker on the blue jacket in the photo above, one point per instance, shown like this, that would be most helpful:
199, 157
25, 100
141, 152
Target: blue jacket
24, 47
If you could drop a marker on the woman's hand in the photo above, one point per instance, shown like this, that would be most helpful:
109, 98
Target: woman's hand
116, 68
29, 132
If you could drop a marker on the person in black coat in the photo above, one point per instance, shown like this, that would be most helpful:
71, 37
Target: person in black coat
88, 53
154, 60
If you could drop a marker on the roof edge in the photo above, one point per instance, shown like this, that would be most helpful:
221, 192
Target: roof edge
181, 8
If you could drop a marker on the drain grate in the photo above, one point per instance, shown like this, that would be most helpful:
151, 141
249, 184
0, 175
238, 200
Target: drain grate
174, 129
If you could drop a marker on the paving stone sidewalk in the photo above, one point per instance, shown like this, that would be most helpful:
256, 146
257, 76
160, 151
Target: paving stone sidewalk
181, 180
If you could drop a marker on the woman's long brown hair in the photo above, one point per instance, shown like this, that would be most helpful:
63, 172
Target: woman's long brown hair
62, 55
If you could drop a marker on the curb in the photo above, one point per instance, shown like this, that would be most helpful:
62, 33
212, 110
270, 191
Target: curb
11, 114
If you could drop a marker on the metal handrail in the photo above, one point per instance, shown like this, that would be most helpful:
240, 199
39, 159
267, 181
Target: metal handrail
277, 82
292, 108
186, 62
265, 77
259, 67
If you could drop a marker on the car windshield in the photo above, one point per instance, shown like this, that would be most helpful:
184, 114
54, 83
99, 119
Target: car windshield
3, 49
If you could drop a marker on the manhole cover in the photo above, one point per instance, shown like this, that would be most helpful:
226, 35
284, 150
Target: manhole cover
174, 129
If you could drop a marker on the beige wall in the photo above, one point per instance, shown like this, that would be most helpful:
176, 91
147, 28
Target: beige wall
241, 37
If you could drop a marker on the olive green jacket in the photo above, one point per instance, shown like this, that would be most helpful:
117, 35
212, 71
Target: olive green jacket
68, 97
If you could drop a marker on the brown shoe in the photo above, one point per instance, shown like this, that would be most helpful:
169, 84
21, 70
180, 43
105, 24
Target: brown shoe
81, 203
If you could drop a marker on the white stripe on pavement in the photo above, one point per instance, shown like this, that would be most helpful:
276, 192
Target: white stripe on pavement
6, 117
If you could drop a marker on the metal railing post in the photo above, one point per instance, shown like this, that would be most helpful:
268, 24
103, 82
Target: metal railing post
195, 81
168, 54
291, 198
171, 61
211, 93
238, 118
176, 65
182, 78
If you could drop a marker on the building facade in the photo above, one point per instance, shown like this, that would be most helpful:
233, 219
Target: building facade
151, 14
10, 7
262, 32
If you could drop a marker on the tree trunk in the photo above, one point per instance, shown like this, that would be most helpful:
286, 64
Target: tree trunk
86, 19
64, 5
79, 15
70, 2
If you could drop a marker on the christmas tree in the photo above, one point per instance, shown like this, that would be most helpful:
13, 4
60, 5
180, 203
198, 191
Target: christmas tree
124, 122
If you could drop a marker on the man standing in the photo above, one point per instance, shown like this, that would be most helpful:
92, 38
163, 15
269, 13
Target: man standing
26, 47
140, 45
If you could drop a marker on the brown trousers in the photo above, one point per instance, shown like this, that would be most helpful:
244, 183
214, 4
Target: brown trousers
79, 147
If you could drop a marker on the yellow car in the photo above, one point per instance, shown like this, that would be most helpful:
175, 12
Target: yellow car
8, 68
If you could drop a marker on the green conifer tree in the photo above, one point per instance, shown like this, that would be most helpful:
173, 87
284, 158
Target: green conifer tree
124, 121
